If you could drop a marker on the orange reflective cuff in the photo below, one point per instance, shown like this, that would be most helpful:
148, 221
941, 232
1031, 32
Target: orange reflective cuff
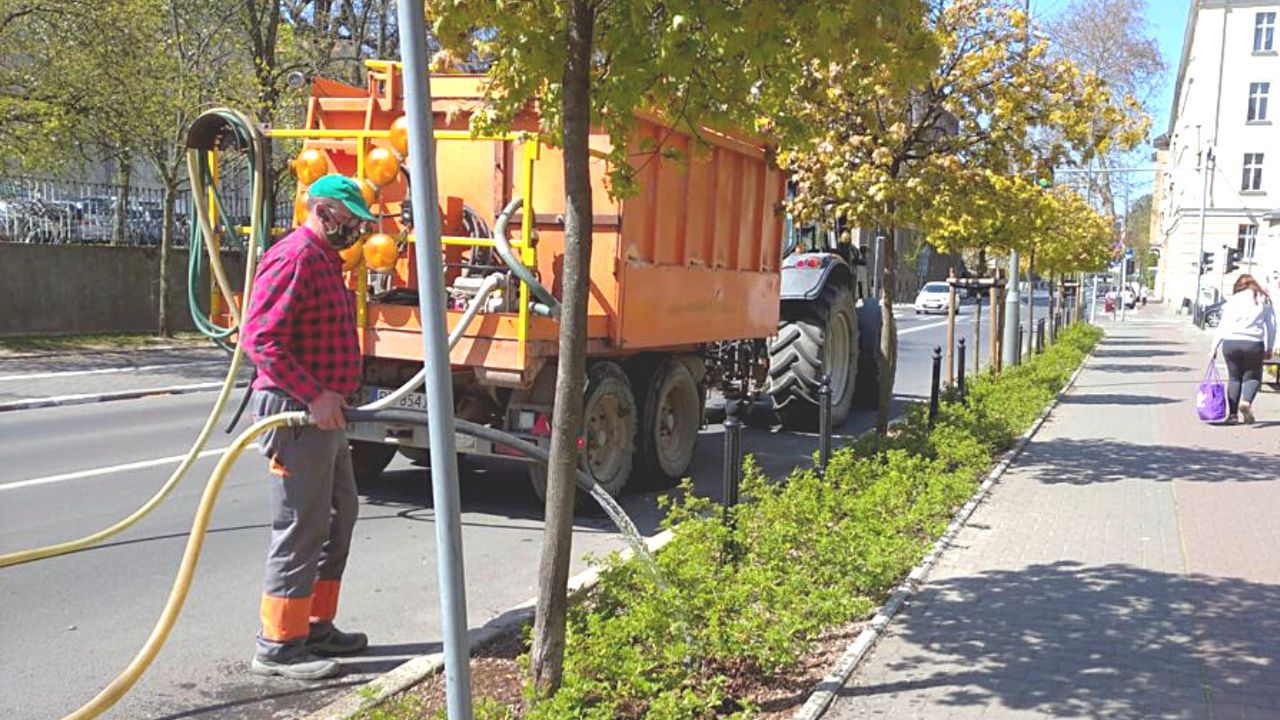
324, 608
285, 618
276, 468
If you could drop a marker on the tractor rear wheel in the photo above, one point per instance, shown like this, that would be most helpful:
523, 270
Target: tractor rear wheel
813, 338
608, 435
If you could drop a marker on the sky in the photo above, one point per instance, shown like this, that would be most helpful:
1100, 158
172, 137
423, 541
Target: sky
1166, 22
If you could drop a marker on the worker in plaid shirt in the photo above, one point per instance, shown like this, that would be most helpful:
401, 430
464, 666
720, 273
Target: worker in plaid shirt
301, 335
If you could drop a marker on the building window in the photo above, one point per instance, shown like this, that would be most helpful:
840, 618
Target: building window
1258, 101
1264, 32
1247, 242
1251, 181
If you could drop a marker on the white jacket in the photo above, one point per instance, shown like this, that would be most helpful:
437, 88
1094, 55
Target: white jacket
1247, 318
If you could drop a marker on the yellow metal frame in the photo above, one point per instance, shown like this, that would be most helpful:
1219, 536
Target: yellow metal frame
524, 245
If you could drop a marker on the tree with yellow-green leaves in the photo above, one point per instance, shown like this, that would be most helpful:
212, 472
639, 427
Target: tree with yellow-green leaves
891, 155
596, 62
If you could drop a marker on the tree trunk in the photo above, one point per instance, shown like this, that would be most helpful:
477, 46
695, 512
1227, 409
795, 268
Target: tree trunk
547, 658
887, 352
124, 171
166, 242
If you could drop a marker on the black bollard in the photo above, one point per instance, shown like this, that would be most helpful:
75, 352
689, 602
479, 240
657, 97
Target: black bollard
960, 374
732, 453
824, 424
1040, 335
936, 388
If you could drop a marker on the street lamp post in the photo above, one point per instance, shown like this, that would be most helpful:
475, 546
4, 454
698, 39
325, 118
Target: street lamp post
1206, 167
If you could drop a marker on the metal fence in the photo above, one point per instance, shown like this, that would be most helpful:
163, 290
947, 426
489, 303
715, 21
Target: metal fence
47, 211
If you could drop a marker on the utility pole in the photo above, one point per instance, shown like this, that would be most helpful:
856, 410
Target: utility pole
1206, 168
439, 385
1124, 253
1012, 299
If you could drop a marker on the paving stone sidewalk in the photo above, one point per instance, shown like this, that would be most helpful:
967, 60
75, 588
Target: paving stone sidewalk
1127, 566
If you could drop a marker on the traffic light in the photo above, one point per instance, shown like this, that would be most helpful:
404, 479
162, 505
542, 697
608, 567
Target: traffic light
1128, 267
1233, 260
1206, 262
1044, 175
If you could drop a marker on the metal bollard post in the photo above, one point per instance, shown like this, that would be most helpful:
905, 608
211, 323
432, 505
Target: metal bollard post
1021, 333
732, 454
824, 423
960, 376
1040, 336
936, 388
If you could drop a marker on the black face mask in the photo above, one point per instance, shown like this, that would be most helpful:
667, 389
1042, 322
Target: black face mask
339, 236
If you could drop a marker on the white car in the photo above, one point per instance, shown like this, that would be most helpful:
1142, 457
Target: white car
933, 298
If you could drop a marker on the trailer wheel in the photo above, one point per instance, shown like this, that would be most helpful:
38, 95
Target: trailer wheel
609, 431
369, 459
825, 329
669, 422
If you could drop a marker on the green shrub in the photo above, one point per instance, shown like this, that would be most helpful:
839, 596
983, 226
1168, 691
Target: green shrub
800, 557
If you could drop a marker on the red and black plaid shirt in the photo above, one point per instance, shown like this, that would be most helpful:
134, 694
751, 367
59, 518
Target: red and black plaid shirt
301, 330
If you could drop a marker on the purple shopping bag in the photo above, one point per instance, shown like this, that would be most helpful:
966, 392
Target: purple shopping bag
1211, 398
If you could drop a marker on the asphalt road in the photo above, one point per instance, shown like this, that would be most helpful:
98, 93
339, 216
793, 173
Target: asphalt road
70, 624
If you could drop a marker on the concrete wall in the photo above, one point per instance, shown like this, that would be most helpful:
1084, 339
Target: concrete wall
57, 289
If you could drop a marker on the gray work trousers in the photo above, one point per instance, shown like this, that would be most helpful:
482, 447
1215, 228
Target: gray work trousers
313, 513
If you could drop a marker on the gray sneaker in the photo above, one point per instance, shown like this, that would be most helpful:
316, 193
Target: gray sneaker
332, 641
303, 667
1246, 412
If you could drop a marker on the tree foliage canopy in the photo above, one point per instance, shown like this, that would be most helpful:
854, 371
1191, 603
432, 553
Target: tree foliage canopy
696, 63
953, 156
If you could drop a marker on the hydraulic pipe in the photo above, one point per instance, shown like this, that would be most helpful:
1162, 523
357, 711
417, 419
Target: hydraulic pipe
439, 382
503, 246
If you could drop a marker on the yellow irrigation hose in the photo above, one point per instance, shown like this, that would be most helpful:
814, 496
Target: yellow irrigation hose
112, 693
228, 384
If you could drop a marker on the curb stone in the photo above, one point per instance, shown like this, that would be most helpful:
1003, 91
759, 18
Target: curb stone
401, 678
102, 351
88, 398
818, 703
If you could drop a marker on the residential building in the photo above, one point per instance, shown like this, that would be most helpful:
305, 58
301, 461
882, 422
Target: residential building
1223, 125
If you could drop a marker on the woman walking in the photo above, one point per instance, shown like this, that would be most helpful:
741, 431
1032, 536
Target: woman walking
1246, 336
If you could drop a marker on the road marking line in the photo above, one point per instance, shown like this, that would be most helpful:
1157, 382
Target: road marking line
103, 371
96, 472
930, 326
87, 398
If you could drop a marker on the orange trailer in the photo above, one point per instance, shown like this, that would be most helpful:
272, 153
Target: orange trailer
690, 262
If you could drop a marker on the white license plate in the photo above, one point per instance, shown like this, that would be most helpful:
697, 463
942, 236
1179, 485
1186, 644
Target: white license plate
411, 401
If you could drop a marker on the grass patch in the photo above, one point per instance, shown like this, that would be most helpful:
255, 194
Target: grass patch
95, 341
743, 602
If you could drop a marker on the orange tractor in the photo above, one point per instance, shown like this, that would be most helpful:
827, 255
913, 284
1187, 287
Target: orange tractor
686, 280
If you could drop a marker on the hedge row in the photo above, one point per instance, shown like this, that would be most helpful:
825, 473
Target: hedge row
746, 600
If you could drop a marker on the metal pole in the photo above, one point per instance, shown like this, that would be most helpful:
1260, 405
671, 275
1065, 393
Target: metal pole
936, 387
1012, 313
960, 375
824, 423
977, 340
951, 328
1206, 168
732, 454
1093, 302
439, 383
1124, 282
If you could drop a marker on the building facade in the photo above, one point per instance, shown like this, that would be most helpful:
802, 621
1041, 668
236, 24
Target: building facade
1220, 158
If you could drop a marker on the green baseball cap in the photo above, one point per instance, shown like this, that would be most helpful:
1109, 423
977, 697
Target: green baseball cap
344, 190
